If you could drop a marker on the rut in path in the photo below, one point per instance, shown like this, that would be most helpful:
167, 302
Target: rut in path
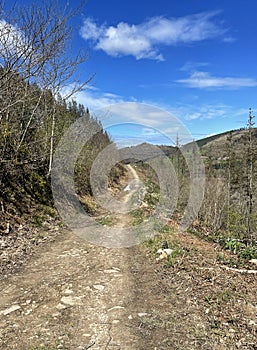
73, 295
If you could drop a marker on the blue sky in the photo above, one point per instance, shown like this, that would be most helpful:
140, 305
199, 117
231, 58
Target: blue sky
195, 59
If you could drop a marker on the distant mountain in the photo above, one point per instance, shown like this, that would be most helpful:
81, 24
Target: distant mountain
143, 152
214, 146
217, 145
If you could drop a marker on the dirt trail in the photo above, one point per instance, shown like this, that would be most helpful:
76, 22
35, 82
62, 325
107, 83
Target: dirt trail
74, 295
134, 173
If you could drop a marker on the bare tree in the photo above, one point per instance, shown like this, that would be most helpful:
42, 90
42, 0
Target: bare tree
250, 172
35, 47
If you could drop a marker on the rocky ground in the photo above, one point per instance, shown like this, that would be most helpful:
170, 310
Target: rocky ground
73, 295
70, 294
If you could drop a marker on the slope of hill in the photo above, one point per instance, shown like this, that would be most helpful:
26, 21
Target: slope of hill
217, 146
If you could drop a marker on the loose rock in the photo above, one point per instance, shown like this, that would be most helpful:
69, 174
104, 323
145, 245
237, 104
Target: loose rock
10, 310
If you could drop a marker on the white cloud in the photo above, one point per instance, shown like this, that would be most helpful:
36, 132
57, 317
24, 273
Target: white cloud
193, 112
92, 97
149, 112
143, 40
113, 109
12, 40
192, 66
90, 30
156, 120
204, 80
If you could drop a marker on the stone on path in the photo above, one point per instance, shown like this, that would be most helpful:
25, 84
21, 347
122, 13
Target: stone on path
10, 309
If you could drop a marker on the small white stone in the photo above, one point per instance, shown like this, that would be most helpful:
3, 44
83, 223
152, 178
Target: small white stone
168, 251
28, 312
99, 287
253, 261
70, 300
116, 321
10, 309
130, 317
68, 291
163, 256
61, 306
142, 314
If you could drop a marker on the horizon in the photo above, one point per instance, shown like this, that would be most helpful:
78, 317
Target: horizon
137, 141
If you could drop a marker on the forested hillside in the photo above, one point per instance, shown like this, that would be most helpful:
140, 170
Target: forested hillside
35, 66
231, 191
228, 213
28, 140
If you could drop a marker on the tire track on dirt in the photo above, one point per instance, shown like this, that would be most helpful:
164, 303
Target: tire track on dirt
73, 295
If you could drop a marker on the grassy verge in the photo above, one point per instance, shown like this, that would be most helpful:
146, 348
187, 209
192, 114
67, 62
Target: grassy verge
243, 250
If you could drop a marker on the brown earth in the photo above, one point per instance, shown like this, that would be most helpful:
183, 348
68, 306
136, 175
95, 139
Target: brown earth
74, 295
